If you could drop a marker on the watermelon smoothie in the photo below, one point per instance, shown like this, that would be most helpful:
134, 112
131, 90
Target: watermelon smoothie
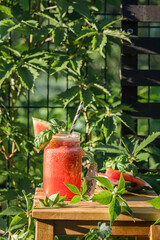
62, 164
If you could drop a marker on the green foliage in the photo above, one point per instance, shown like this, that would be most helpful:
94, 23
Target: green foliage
21, 224
78, 195
45, 136
54, 201
155, 203
78, 40
113, 197
103, 231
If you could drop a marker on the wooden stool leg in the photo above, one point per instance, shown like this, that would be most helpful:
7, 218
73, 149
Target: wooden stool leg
155, 232
44, 230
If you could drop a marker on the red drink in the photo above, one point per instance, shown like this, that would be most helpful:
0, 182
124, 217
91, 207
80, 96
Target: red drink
62, 164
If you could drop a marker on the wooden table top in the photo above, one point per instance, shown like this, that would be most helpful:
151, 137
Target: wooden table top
142, 210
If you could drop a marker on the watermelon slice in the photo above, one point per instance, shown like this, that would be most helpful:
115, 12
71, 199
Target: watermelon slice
39, 125
114, 176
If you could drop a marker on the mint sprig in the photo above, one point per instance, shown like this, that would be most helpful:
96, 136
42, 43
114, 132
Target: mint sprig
45, 136
54, 201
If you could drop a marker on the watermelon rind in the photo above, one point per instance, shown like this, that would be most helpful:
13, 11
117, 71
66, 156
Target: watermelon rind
39, 125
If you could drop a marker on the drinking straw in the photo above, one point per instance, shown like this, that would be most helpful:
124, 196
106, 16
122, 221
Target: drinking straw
76, 116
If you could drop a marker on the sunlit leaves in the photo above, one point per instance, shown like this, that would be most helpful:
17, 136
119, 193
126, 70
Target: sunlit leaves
27, 76
104, 197
114, 209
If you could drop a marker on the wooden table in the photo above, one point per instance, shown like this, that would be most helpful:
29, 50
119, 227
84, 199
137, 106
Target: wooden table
77, 219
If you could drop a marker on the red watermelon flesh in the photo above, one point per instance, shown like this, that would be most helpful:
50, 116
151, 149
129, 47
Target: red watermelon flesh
114, 176
39, 125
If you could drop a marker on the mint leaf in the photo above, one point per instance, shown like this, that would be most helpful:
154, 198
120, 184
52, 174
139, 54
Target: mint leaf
43, 138
76, 199
54, 198
73, 188
158, 221
114, 209
54, 201
104, 230
125, 207
155, 202
105, 182
121, 185
103, 197
84, 187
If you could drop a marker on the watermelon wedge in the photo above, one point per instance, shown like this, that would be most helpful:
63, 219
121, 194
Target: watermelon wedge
39, 125
114, 176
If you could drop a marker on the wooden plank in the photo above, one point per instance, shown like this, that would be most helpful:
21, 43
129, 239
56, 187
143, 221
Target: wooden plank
155, 232
142, 45
44, 230
63, 228
141, 13
140, 77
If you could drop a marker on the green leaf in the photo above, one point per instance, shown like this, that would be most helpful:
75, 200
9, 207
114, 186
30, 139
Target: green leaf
83, 187
53, 21
114, 209
43, 138
105, 182
12, 50
6, 11
18, 221
58, 36
62, 6
76, 64
27, 76
157, 221
3, 224
146, 141
110, 149
104, 197
107, 22
59, 65
54, 198
11, 211
155, 202
73, 188
127, 120
69, 95
31, 23
28, 202
6, 70
117, 34
7, 194
104, 231
86, 32
81, 7
76, 199
5, 26
109, 126
99, 42
87, 97
121, 184
125, 207
100, 87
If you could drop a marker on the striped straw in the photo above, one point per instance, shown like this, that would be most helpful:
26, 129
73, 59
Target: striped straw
76, 116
